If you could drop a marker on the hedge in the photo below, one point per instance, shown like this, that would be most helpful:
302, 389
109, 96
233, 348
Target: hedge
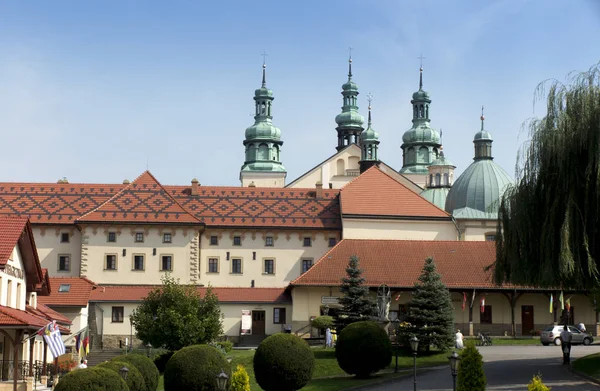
363, 348
91, 379
195, 368
135, 380
145, 366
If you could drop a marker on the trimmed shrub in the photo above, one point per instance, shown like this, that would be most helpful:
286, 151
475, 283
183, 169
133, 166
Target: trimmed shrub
195, 368
471, 376
240, 381
135, 381
322, 322
225, 345
283, 362
537, 385
363, 348
145, 366
161, 361
91, 379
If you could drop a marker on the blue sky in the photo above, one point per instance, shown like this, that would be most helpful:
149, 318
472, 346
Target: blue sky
96, 90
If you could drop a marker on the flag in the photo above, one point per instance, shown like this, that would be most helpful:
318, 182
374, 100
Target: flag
568, 306
464, 303
551, 302
398, 296
54, 340
562, 301
483, 304
78, 343
85, 342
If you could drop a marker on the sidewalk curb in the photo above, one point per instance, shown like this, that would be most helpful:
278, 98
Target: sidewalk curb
583, 375
401, 375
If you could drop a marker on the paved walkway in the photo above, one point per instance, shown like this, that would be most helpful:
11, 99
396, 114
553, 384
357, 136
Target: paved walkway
509, 368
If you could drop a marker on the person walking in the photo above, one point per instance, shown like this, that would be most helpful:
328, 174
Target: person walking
565, 339
83, 364
328, 338
459, 340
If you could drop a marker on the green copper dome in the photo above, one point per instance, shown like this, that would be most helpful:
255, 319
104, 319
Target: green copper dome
436, 195
350, 118
421, 95
421, 133
482, 135
369, 135
263, 130
349, 121
442, 161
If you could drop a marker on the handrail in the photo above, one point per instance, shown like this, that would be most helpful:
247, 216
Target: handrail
301, 329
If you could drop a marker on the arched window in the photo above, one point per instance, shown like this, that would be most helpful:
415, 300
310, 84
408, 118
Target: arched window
250, 152
269, 112
341, 167
263, 108
263, 152
415, 112
423, 155
446, 179
275, 153
437, 179
410, 155
426, 111
421, 111
490, 236
431, 180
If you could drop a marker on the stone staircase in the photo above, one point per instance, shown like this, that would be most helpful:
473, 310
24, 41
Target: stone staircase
96, 357
250, 341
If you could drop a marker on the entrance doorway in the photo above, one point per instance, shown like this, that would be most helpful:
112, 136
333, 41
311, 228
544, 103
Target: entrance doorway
258, 322
527, 323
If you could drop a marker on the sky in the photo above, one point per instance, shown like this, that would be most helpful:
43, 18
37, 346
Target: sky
98, 91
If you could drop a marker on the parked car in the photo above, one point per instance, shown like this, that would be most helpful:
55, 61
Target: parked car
551, 334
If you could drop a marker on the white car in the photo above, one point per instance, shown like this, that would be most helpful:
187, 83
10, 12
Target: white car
551, 334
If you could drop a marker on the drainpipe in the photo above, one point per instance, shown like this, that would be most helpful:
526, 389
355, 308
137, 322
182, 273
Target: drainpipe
101, 324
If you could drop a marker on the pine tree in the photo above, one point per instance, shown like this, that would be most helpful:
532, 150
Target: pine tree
471, 376
356, 302
430, 310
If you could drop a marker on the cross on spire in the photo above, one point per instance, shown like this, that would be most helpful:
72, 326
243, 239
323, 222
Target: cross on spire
369, 99
264, 55
482, 117
264, 67
421, 58
349, 62
421, 72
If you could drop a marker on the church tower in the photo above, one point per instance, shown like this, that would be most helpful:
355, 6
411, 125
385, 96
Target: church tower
349, 121
421, 143
369, 144
262, 166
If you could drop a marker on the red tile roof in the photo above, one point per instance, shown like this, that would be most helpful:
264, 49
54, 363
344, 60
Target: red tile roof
26, 319
398, 263
375, 193
78, 294
11, 229
120, 293
48, 313
146, 200
143, 201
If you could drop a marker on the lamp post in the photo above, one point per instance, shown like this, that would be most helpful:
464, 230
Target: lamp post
148, 349
454, 359
123, 372
326, 310
222, 381
397, 330
414, 345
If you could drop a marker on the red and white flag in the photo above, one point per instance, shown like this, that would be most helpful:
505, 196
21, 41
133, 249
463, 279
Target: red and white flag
483, 304
464, 303
398, 296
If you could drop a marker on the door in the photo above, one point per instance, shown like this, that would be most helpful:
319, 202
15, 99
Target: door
526, 319
577, 335
258, 322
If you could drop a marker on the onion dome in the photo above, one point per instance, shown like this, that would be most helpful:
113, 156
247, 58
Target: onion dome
349, 121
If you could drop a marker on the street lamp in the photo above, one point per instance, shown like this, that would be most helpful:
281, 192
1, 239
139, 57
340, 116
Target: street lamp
326, 310
222, 381
454, 359
123, 372
397, 328
148, 349
414, 345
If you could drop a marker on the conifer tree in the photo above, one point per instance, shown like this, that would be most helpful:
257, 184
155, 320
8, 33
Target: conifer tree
430, 310
356, 302
471, 376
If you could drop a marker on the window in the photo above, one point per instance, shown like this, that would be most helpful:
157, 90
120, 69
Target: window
306, 264
139, 237
111, 262
490, 237
213, 265
64, 263
485, 317
9, 293
307, 242
64, 237
117, 314
279, 315
167, 238
214, 240
64, 288
269, 266
112, 237
138, 262
166, 262
236, 266
18, 303
237, 240
332, 242
269, 241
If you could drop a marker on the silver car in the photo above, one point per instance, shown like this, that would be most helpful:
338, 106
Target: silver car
551, 334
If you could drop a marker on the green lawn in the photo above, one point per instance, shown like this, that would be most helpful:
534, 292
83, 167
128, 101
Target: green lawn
328, 376
516, 341
589, 365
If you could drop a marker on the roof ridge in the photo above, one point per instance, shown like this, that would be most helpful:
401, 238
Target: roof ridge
168, 194
318, 262
373, 167
110, 199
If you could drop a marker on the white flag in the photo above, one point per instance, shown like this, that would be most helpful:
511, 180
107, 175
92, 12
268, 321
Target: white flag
54, 340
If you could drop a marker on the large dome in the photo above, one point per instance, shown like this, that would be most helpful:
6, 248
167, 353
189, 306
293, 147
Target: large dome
263, 130
421, 133
477, 191
436, 195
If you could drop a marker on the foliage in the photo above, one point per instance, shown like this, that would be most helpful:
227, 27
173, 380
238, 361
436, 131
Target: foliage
173, 316
363, 348
66, 365
135, 381
225, 345
161, 361
145, 366
430, 313
240, 381
356, 303
537, 385
322, 322
470, 370
91, 379
550, 216
283, 362
195, 368
588, 365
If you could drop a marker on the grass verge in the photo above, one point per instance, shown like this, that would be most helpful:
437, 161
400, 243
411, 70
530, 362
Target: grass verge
589, 365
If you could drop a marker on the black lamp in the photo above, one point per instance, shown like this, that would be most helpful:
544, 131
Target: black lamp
123, 372
222, 381
414, 344
454, 359
148, 349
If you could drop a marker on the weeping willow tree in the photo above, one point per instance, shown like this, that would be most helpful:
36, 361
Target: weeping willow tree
550, 218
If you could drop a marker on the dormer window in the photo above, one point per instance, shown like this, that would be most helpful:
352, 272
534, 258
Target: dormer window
64, 288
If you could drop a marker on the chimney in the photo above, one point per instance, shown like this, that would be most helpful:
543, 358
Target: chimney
194, 187
319, 186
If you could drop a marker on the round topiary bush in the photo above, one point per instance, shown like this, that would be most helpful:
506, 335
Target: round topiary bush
322, 322
145, 366
135, 380
363, 348
195, 368
161, 361
283, 362
91, 379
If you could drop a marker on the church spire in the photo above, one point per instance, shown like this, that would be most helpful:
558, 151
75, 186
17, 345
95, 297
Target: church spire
369, 144
483, 141
350, 122
263, 142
